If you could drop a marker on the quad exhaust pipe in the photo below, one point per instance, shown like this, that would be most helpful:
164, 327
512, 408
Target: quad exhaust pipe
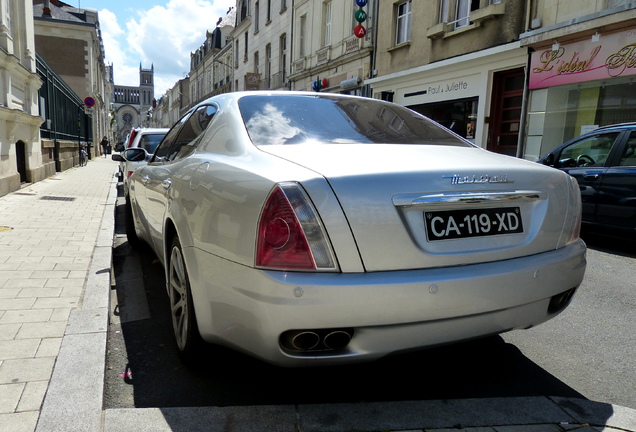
316, 340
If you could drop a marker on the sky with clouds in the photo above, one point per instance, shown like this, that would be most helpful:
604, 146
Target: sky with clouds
154, 32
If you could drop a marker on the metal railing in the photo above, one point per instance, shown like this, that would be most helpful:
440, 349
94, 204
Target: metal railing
61, 109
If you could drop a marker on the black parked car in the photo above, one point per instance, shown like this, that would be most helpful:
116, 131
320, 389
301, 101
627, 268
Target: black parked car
604, 164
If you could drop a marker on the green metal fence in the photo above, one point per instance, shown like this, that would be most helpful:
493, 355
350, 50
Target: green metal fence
61, 108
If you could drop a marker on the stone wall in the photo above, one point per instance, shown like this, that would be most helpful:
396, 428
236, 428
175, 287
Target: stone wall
9, 183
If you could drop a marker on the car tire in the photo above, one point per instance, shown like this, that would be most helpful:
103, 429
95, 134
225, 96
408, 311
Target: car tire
133, 240
184, 323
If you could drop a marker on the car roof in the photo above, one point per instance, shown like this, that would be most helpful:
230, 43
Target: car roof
152, 130
627, 125
235, 96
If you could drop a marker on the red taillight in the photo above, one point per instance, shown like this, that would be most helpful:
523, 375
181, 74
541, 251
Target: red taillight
281, 241
132, 137
290, 234
129, 174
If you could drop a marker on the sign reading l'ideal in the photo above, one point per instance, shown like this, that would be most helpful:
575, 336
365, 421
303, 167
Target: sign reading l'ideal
610, 56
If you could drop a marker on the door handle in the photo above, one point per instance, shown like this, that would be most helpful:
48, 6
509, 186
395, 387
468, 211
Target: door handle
591, 177
166, 184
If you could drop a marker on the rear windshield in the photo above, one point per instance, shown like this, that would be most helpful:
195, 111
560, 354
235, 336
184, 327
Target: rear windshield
299, 119
150, 141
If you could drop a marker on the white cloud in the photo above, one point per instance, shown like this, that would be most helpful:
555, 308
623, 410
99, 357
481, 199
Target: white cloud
164, 36
115, 54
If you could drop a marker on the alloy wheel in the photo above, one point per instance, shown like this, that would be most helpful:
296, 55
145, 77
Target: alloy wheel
180, 301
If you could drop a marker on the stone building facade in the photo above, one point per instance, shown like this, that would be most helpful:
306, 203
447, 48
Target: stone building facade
172, 105
457, 61
69, 40
303, 45
326, 53
20, 149
211, 70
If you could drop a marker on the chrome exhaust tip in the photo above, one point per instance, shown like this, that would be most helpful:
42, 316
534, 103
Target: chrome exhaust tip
303, 340
337, 339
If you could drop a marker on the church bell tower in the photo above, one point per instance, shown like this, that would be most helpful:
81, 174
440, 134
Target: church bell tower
146, 87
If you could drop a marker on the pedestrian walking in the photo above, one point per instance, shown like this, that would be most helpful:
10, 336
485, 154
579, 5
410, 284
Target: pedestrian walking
83, 155
104, 144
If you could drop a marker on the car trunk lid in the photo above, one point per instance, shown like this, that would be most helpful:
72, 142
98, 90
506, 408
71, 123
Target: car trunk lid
419, 206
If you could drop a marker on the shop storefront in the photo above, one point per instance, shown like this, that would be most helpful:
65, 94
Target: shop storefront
578, 87
479, 95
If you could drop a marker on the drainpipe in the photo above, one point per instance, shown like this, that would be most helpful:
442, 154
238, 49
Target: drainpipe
291, 45
374, 51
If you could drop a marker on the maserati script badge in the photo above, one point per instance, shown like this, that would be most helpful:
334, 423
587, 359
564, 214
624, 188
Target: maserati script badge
458, 179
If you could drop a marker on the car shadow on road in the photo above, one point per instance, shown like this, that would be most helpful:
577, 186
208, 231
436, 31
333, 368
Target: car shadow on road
144, 370
615, 242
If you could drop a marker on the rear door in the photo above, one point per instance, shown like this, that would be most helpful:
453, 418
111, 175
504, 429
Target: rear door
157, 176
617, 198
587, 160
149, 181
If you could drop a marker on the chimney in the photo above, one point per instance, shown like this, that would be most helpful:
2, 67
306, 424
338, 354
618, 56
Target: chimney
46, 10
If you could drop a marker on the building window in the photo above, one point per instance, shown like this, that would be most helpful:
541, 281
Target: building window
7, 18
236, 53
257, 11
326, 24
403, 24
443, 11
302, 36
243, 10
462, 16
269, 10
245, 54
256, 62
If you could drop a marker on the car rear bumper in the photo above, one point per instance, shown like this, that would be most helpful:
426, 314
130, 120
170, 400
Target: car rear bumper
248, 309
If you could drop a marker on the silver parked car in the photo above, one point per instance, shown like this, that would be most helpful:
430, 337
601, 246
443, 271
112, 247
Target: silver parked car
316, 228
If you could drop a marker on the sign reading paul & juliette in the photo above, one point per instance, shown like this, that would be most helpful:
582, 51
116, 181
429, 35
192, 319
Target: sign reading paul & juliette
611, 56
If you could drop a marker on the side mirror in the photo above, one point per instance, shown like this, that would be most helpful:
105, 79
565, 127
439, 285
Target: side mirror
117, 157
549, 159
135, 154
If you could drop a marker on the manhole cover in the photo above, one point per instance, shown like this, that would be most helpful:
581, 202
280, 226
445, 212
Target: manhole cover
5, 228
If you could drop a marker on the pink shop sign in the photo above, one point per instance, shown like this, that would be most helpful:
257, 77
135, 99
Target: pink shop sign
612, 56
